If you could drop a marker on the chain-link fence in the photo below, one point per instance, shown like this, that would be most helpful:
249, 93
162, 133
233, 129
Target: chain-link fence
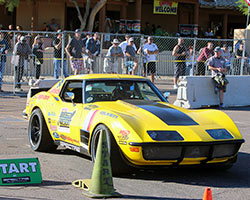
45, 56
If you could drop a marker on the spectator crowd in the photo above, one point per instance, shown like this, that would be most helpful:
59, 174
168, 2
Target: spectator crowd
83, 50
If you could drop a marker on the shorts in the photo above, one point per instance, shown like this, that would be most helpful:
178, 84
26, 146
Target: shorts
201, 68
151, 67
111, 67
130, 65
220, 82
179, 69
77, 64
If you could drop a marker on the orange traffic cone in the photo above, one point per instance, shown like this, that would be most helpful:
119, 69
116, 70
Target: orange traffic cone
207, 194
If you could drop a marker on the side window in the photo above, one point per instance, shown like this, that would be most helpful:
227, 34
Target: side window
76, 88
147, 92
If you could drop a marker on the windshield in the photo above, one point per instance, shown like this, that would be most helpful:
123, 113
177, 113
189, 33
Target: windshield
112, 90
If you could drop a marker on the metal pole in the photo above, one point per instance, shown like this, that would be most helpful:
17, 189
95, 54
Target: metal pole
140, 60
244, 48
62, 55
14, 62
99, 65
193, 57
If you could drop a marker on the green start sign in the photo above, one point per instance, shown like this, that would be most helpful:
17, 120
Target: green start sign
20, 171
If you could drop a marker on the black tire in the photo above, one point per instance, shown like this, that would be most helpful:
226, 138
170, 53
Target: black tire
118, 165
39, 136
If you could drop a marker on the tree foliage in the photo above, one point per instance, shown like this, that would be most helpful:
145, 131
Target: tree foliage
243, 6
10, 4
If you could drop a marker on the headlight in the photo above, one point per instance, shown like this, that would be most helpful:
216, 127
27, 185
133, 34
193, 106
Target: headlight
219, 134
165, 135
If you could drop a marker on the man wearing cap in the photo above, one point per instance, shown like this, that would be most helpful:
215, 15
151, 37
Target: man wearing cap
22, 50
74, 49
125, 43
88, 35
57, 44
131, 62
151, 50
93, 50
217, 64
123, 46
113, 58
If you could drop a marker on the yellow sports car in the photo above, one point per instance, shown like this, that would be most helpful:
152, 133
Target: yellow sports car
142, 128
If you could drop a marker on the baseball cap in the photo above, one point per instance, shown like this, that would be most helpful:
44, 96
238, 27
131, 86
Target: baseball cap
22, 38
115, 41
59, 31
88, 33
131, 39
77, 30
217, 49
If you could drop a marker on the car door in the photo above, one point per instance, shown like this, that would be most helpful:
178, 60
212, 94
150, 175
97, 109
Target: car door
70, 111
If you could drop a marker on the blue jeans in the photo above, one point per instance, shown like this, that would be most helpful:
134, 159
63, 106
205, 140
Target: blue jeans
57, 66
2, 71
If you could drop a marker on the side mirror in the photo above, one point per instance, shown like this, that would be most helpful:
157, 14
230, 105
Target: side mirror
69, 96
166, 95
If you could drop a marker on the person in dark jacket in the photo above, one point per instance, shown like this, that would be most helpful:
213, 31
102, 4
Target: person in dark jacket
206, 53
21, 51
37, 50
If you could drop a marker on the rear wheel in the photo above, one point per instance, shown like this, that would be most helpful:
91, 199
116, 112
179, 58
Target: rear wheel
39, 136
118, 165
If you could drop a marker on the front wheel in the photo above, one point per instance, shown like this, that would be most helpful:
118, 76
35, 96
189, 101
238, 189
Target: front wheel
39, 136
118, 165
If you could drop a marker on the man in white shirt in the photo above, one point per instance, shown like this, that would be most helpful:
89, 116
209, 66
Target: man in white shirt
151, 50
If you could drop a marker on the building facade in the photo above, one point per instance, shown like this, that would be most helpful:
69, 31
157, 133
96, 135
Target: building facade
219, 16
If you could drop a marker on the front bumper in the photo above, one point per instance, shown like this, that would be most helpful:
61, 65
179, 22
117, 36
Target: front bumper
179, 152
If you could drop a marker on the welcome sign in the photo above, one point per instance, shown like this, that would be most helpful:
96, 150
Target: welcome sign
165, 7
20, 171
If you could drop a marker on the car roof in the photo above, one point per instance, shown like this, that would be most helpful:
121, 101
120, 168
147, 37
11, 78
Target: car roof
105, 76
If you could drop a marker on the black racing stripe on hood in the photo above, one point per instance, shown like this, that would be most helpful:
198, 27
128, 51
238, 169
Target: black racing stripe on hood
170, 116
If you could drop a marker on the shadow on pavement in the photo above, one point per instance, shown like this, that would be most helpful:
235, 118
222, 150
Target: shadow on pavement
151, 197
237, 176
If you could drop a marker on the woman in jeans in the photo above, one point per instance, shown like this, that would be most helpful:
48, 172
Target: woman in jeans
37, 50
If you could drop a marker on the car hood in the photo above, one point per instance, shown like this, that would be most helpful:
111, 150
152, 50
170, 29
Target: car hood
142, 116
151, 114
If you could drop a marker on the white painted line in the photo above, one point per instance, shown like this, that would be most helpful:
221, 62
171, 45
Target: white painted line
14, 138
240, 122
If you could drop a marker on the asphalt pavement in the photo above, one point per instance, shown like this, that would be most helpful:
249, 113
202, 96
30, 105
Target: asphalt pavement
59, 169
